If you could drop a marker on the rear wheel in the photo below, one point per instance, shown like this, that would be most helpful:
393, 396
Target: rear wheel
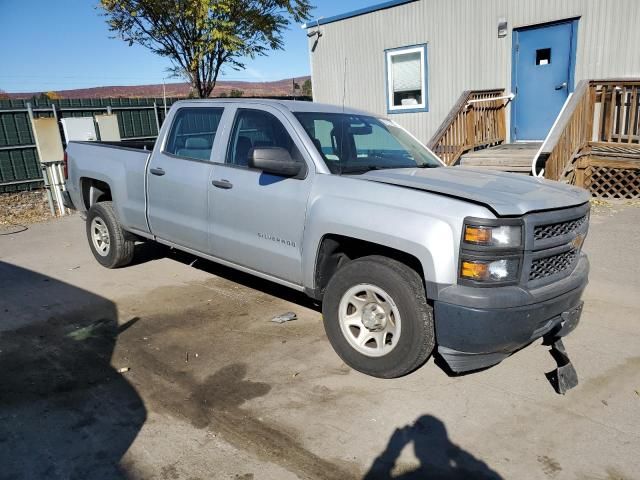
377, 317
107, 239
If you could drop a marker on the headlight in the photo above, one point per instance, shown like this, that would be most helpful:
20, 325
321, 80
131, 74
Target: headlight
502, 236
504, 270
491, 251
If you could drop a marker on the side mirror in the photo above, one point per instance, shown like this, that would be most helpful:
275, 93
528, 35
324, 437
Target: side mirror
274, 160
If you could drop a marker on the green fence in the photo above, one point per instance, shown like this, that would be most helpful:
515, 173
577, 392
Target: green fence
138, 118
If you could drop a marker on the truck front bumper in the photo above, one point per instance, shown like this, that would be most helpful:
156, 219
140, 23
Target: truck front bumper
475, 331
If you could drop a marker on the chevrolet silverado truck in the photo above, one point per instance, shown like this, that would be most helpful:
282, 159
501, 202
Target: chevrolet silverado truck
407, 256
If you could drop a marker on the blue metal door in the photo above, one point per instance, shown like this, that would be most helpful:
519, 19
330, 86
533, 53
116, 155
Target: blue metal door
543, 61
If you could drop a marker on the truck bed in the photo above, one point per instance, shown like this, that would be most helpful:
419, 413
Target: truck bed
130, 144
121, 165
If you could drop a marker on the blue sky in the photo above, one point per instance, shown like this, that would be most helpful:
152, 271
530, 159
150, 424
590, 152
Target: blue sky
56, 45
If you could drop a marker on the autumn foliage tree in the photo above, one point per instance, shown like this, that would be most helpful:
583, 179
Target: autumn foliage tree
202, 36
307, 89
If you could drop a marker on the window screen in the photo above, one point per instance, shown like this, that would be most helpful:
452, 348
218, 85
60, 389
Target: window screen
406, 78
193, 132
407, 75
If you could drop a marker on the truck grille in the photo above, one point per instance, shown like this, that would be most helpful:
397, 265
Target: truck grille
547, 266
542, 232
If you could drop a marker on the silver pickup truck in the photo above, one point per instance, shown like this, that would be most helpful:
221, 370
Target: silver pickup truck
407, 256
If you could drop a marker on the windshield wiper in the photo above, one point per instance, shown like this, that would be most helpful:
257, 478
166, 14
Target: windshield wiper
360, 168
427, 165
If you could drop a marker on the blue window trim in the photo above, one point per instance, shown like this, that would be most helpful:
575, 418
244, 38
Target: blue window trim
574, 21
356, 13
390, 111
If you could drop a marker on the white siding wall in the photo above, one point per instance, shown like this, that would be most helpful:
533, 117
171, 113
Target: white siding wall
463, 48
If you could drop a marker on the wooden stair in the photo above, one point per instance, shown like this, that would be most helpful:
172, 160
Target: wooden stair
507, 157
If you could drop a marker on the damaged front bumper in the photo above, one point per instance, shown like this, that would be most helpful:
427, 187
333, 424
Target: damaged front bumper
477, 331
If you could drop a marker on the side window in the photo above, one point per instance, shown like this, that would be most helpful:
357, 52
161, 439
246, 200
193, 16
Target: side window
193, 132
320, 132
254, 129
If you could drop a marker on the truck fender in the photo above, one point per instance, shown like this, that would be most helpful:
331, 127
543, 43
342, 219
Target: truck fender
433, 244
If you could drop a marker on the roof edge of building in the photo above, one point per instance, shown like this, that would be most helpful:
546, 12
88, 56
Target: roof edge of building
356, 13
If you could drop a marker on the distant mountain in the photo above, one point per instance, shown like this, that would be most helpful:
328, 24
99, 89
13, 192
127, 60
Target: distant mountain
279, 88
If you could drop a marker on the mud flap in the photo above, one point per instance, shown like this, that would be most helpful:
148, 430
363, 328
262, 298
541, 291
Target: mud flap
564, 377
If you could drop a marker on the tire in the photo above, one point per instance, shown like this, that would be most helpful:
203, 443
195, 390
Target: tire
107, 239
363, 292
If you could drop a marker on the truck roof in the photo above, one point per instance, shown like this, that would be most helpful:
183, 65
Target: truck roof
291, 105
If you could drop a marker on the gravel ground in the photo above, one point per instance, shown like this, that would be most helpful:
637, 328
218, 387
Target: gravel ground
23, 208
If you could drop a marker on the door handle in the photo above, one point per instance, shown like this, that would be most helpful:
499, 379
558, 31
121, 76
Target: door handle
157, 171
226, 184
561, 86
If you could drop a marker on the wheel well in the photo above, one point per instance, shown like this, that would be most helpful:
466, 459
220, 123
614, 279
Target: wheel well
336, 250
94, 191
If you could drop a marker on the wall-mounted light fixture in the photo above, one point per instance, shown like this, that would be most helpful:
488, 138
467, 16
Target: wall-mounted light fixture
315, 33
503, 28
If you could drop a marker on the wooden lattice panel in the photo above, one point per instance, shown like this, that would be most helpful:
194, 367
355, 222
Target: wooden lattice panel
612, 183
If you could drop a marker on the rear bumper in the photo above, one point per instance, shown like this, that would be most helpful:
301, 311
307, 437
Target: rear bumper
471, 337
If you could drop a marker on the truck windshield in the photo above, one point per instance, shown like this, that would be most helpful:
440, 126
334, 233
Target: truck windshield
358, 143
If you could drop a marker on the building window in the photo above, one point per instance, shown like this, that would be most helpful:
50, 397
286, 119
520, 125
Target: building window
407, 79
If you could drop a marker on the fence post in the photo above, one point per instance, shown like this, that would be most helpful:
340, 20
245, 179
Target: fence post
155, 111
470, 134
47, 185
581, 164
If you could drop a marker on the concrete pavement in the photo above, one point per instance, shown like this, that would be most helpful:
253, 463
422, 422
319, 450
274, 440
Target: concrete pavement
215, 390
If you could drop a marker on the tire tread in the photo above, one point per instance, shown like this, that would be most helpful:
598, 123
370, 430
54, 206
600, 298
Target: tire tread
122, 248
411, 280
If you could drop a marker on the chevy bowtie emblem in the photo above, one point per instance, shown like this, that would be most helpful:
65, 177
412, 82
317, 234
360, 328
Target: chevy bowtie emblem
577, 242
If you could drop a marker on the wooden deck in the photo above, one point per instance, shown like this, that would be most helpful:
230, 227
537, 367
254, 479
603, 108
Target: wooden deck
508, 157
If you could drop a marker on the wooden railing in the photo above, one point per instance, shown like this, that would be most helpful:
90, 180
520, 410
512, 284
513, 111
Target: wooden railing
600, 114
477, 120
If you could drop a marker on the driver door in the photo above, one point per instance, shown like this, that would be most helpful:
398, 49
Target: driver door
257, 218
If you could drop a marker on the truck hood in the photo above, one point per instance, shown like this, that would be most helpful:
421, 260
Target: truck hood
506, 194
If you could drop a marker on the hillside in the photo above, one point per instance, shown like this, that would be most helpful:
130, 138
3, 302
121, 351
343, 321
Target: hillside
279, 88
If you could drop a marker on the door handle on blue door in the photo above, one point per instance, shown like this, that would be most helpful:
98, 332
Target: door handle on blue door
222, 183
561, 86
157, 171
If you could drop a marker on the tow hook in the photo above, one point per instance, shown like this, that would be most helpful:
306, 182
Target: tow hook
564, 377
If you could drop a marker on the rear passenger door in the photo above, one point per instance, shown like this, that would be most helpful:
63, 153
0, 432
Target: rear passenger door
258, 218
178, 178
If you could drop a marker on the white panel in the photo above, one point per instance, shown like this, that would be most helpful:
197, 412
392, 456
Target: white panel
48, 142
108, 127
79, 129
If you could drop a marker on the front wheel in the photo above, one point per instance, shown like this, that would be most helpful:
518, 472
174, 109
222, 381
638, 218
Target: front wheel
377, 317
107, 239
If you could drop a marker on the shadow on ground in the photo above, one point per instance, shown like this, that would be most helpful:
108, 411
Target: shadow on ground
65, 412
438, 457
149, 251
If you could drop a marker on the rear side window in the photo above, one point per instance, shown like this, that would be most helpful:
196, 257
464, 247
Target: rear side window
255, 129
193, 132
